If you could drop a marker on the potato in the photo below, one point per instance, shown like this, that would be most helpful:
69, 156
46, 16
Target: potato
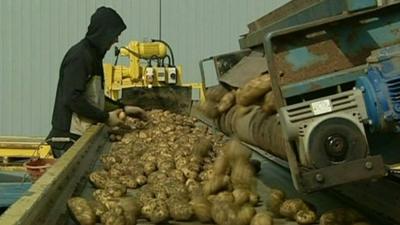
235, 151
160, 191
141, 180
97, 207
118, 137
115, 189
253, 90
206, 174
98, 178
253, 198
176, 188
128, 181
149, 167
82, 211
275, 200
215, 93
242, 175
221, 165
216, 184
268, 105
223, 214
201, 209
156, 177
166, 166
145, 196
112, 137
245, 215
306, 217
115, 173
108, 160
104, 197
241, 196
155, 210
181, 162
113, 217
131, 209
290, 207
122, 115
177, 175
189, 173
193, 186
341, 216
225, 196
209, 109
226, 102
262, 218
202, 148
179, 209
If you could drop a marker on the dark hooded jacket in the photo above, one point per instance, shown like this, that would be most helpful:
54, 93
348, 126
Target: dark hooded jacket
82, 61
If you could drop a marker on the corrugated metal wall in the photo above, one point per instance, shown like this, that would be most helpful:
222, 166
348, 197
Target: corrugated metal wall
35, 34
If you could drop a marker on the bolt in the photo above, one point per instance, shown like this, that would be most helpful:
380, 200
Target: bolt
362, 88
319, 178
370, 122
369, 165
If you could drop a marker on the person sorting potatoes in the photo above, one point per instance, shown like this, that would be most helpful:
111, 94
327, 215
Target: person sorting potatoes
80, 99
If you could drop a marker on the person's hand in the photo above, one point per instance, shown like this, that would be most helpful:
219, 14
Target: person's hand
137, 112
114, 119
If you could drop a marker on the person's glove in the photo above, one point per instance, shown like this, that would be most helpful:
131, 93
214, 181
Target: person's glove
137, 112
114, 119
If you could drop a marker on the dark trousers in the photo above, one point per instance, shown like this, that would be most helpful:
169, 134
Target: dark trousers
60, 147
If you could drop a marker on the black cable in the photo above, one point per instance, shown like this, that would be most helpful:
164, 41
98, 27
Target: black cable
169, 60
116, 54
169, 48
152, 58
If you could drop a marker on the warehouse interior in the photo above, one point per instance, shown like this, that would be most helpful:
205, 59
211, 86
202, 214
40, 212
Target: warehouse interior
219, 112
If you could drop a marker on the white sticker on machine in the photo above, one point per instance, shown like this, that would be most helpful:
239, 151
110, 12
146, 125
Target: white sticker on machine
321, 107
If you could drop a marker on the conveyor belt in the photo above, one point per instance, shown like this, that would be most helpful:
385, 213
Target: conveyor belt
45, 202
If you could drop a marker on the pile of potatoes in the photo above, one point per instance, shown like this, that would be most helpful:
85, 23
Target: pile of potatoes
295, 209
153, 172
258, 91
173, 168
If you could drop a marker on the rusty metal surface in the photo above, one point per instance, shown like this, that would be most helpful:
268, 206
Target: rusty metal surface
299, 12
275, 16
328, 45
246, 69
225, 62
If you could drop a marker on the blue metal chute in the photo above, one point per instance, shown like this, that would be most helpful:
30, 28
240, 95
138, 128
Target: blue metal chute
12, 186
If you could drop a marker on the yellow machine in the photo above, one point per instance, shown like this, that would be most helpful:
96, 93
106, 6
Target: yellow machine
148, 77
12, 149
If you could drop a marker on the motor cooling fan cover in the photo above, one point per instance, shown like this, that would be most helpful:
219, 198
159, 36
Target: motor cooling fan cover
334, 141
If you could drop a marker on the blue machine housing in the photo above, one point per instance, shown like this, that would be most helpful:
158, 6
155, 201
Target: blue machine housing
381, 87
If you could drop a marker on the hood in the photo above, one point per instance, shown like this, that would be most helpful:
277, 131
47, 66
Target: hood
105, 25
